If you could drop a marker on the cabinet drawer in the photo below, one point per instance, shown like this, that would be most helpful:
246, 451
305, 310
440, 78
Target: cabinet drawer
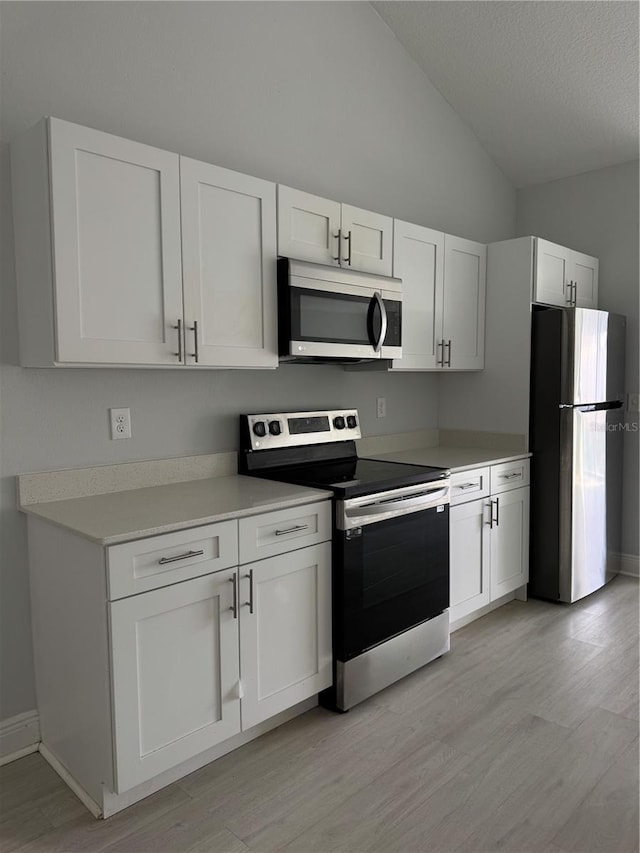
162, 560
509, 475
277, 532
469, 485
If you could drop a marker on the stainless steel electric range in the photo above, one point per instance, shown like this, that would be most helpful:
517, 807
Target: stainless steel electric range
390, 577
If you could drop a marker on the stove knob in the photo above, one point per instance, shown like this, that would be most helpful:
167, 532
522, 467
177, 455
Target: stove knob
259, 429
338, 422
275, 428
352, 423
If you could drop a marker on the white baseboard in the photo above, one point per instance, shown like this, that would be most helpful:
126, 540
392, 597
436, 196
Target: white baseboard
630, 565
19, 736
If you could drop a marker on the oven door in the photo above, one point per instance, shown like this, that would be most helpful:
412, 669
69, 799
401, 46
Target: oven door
389, 576
343, 322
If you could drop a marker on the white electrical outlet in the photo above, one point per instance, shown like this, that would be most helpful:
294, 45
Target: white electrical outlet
633, 403
381, 407
120, 423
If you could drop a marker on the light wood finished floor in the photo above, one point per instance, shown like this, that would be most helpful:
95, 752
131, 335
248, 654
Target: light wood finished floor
523, 738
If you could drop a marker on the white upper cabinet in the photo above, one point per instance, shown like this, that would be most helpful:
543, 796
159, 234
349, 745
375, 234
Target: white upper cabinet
418, 259
100, 257
107, 265
312, 228
564, 277
465, 277
585, 281
443, 299
367, 240
229, 267
308, 227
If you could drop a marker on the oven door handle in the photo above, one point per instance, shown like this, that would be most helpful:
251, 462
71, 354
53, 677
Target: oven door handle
385, 507
377, 302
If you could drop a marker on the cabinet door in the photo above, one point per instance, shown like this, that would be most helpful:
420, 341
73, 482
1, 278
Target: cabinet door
470, 556
509, 542
367, 241
585, 278
308, 226
465, 272
418, 259
116, 248
229, 267
175, 675
553, 274
285, 635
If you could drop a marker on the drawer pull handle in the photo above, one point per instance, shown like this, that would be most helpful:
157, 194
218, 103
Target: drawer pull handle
164, 560
293, 529
463, 486
511, 476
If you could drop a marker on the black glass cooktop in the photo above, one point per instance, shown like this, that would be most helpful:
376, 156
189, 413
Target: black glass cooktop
349, 478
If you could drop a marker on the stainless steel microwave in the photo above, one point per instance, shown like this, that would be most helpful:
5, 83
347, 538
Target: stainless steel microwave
333, 314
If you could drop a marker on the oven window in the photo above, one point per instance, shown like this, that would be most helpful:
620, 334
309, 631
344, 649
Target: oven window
389, 577
391, 568
328, 317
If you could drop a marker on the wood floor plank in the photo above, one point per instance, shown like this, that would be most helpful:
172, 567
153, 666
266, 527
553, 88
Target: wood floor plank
384, 803
607, 818
191, 826
88, 834
320, 780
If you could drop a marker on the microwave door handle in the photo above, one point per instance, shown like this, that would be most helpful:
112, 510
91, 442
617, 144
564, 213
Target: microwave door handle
377, 300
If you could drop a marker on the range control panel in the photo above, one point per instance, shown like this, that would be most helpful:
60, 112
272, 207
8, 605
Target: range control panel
290, 429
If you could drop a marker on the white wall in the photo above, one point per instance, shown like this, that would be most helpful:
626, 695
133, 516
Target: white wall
317, 95
597, 213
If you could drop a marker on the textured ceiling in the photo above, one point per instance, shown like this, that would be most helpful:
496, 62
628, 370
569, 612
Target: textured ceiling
549, 88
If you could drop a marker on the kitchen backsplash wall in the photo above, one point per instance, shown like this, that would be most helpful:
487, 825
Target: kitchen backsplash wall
320, 96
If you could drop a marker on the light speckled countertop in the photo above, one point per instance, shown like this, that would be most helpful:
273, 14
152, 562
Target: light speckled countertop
122, 516
455, 458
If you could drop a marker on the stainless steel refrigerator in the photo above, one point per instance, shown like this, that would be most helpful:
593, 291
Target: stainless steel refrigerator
576, 432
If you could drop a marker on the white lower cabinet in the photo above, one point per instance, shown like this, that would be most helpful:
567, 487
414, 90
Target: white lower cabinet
470, 554
489, 551
164, 652
175, 660
285, 631
196, 662
509, 542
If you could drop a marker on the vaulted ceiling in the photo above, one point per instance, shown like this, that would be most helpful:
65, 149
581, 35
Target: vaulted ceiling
549, 87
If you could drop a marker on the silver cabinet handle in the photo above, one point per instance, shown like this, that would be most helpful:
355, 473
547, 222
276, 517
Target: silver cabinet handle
293, 529
164, 560
440, 360
348, 258
338, 237
497, 512
463, 486
250, 602
575, 293
194, 329
569, 287
490, 507
512, 476
179, 328
234, 606
383, 321
448, 353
